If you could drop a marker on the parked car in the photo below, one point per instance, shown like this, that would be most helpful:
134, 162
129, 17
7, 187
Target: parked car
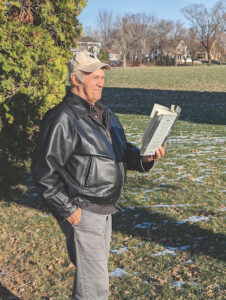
116, 63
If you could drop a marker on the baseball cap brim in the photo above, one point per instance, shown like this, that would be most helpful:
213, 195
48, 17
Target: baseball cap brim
94, 67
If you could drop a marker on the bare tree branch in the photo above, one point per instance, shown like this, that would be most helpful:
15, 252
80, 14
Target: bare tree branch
207, 25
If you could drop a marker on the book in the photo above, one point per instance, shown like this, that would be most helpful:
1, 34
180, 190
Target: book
160, 123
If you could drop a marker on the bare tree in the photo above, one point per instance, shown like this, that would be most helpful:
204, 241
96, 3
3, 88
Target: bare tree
139, 28
206, 24
105, 26
163, 31
89, 31
121, 36
130, 36
176, 36
219, 48
152, 37
193, 45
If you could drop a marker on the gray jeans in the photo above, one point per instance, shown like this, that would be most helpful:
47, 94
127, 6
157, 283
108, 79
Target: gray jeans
88, 245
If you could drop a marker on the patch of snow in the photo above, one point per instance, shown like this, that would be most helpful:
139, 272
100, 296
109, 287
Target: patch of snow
147, 191
155, 189
165, 222
178, 178
119, 251
158, 179
45, 216
200, 238
182, 248
199, 179
165, 252
142, 243
169, 205
194, 219
194, 283
118, 272
144, 225
132, 207
178, 284
189, 261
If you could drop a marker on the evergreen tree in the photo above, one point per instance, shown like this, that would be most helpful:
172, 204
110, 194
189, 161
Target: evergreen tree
35, 42
103, 55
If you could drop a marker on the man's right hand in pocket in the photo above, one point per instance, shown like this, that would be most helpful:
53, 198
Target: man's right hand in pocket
75, 217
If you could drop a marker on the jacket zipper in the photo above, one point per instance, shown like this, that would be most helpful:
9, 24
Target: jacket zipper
107, 132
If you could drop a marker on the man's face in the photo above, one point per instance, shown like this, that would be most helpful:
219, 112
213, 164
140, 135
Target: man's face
91, 89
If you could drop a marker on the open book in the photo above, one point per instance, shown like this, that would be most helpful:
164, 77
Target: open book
159, 126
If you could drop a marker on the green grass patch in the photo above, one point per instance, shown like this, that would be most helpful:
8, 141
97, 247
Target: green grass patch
169, 78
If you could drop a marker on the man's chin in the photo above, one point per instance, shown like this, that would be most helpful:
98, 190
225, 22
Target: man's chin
96, 98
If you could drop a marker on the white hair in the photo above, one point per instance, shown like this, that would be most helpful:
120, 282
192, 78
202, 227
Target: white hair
79, 75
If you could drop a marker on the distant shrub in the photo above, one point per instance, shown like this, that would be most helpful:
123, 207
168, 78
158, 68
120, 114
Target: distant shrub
103, 55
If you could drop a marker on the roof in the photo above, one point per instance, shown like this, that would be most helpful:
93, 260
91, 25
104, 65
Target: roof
86, 39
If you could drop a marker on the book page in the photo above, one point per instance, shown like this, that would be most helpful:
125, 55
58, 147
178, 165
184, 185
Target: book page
151, 122
158, 134
159, 108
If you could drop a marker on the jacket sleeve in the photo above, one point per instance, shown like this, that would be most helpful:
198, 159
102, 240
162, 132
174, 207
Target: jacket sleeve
134, 160
56, 143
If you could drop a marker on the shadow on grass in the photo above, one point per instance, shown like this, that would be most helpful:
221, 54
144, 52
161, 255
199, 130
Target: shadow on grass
167, 232
6, 294
12, 176
201, 241
197, 107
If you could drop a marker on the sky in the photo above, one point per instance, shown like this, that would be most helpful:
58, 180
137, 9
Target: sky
162, 9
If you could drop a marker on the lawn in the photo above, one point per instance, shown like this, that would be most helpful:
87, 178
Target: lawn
168, 241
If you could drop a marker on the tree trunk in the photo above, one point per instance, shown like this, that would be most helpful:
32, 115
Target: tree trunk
193, 58
124, 60
209, 57
175, 61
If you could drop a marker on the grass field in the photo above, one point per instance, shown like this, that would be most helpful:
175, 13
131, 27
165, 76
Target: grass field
169, 240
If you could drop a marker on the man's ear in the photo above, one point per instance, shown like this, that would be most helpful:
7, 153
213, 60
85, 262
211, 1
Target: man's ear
74, 79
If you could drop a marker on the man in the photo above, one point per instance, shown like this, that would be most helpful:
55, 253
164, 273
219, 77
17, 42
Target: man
80, 169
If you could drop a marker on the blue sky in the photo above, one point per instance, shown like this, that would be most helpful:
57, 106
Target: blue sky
166, 9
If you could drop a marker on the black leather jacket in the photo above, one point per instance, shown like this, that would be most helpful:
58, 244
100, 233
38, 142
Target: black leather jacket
78, 159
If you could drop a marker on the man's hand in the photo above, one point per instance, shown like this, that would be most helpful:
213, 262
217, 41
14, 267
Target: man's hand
75, 217
159, 153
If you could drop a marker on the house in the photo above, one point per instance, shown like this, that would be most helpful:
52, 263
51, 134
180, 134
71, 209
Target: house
183, 54
89, 44
114, 56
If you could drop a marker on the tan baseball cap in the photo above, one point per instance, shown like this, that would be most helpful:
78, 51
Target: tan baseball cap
85, 61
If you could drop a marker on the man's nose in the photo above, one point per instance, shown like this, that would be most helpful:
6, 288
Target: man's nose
100, 83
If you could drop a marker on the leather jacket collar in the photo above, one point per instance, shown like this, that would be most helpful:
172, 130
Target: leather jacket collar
82, 108
79, 106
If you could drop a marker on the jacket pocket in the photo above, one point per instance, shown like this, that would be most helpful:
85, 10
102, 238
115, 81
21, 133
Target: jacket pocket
88, 170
